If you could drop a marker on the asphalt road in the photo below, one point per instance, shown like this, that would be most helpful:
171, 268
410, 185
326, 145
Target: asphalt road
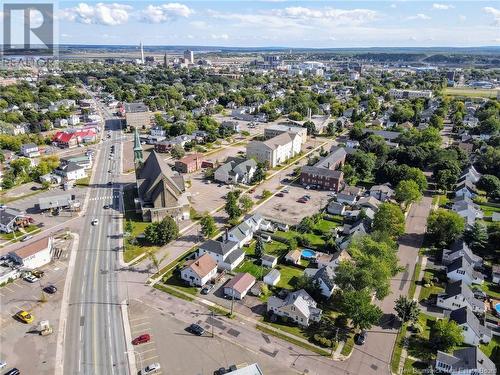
94, 339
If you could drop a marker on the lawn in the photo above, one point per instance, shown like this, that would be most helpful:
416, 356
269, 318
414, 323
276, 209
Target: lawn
488, 348
440, 200
289, 276
314, 240
348, 346
173, 279
275, 248
252, 267
18, 234
426, 292
325, 226
470, 92
489, 209
288, 235
491, 289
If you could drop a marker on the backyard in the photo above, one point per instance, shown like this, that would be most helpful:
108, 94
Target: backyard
431, 288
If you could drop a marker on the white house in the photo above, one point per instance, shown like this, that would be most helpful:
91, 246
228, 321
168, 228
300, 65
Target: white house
200, 270
458, 249
10, 219
73, 120
158, 131
273, 277
276, 150
325, 277
462, 269
71, 171
239, 285
30, 150
466, 361
474, 332
268, 260
236, 171
495, 273
243, 233
465, 188
457, 295
226, 253
33, 255
468, 210
298, 306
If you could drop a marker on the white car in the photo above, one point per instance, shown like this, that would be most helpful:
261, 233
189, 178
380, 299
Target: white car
3, 364
150, 369
30, 278
95, 221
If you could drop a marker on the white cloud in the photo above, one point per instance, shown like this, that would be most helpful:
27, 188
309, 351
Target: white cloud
165, 12
442, 6
219, 36
101, 14
199, 24
419, 16
495, 13
340, 16
462, 17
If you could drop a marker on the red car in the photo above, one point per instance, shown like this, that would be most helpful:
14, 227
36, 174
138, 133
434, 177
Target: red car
302, 200
280, 195
142, 339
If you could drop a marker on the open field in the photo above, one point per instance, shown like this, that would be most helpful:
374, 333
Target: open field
471, 92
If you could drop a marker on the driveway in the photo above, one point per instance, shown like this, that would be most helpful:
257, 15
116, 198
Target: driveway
374, 357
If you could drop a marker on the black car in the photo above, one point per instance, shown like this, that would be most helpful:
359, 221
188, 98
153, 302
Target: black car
13, 371
220, 371
207, 289
360, 338
106, 206
196, 329
51, 289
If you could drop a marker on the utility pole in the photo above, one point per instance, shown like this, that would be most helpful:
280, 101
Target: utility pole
212, 324
232, 301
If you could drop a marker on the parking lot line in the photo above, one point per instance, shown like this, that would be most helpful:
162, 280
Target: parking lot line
150, 358
140, 318
9, 289
140, 324
147, 351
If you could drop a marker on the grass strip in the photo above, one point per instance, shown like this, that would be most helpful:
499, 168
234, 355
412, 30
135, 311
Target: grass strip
398, 348
348, 346
173, 292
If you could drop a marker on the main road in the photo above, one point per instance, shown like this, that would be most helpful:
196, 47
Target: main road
94, 340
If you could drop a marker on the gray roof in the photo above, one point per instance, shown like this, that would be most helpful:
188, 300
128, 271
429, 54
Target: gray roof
321, 172
388, 135
465, 316
233, 255
461, 288
468, 359
368, 202
244, 167
336, 156
346, 197
335, 207
461, 246
327, 275
464, 264
240, 230
54, 201
300, 299
8, 214
273, 274
136, 107
268, 258
218, 247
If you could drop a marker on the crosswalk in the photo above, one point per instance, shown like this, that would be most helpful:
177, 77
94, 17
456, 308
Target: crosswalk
105, 197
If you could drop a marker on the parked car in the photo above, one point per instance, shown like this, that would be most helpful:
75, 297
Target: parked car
207, 288
281, 195
150, 369
26, 238
13, 371
106, 206
30, 278
51, 289
302, 200
142, 339
360, 338
196, 329
3, 364
95, 221
25, 316
38, 273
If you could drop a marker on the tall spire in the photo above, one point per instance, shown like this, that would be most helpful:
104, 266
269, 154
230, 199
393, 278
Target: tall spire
138, 156
142, 53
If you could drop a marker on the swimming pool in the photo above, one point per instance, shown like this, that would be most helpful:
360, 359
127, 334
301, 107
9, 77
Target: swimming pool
497, 308
308, 254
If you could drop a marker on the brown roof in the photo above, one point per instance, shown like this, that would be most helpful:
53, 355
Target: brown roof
294, 254
190, 158
241, 282
203, 265
32, 248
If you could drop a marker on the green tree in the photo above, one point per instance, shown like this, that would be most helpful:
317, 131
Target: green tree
446, 334
357, 306
208, 227
491, 185
259, 247
162, 232
155, 260
129, 226
246, 203
231, 207
177, 152
407, 192
477, 236
407, 309
444, 226
446, 179
389, 219
311, 128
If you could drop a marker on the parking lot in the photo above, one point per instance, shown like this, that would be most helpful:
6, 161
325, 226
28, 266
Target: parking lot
20, 341
180, 352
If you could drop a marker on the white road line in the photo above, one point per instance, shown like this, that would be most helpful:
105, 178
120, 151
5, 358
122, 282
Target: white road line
147, 351
139, 324
150, 358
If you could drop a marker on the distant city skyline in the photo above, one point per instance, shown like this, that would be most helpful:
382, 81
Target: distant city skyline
278, 23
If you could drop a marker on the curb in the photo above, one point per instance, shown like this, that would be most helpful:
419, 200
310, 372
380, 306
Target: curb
128, 338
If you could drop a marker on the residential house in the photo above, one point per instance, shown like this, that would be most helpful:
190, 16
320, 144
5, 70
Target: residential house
199, 271
335, 208
236, 171
495, 216
232, 126
381, 192
297, 306
462, 269
276, 150
11, 219
158, 131
458, 294
84, 161
293, 256
243, 232
189, 163
321, 178
33, 255
70, 171
468, 210
269, 260
226, 253
239, 285
469, 361
30, 150
325, 277
369, 202
465, 188
470, 174
276, 129
459, 249
73, 120
161, 192
474, 332
351, 143
495, 273
347, 199
332, 260
273, 277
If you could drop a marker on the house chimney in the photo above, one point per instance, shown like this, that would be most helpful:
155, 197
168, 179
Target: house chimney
227, 234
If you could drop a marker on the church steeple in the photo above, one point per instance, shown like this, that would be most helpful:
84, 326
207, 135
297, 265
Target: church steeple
138, 156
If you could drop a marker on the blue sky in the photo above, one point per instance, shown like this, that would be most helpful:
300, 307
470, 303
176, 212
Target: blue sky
282, 23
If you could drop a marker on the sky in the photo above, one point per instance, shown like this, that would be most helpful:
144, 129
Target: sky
318, 24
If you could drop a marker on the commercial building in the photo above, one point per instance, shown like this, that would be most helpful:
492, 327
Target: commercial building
138, 115
34, 255
276, 150
189, 56
323, 174
410, 94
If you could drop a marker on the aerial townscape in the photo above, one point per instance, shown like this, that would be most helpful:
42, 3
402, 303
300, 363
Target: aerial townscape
181, 196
